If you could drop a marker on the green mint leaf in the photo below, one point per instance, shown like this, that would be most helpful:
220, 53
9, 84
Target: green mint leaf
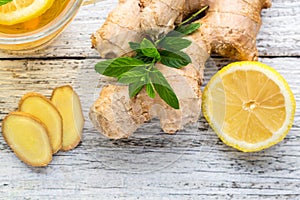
135, 88
174, 43
174, 33
184, 30
134, 75
139, 54
188, 29
122, 65
135, 46
163, 88
174, 59
144, 54
140, 75
149, 49
144, 58
118, 66
100, 67
3, 2
150, 90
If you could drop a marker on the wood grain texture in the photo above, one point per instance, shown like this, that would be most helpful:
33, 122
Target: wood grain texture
192, 164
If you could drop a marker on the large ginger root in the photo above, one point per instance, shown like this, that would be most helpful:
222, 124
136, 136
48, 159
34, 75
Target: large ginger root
229, 28
132, 18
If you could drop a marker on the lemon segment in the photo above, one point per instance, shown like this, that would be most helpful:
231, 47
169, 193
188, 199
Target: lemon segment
249, 105
18, 11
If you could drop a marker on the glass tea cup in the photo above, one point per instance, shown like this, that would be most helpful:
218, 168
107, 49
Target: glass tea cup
26, 37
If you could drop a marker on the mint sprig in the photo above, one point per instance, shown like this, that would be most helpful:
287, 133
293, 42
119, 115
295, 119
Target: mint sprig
140, 71
3, 2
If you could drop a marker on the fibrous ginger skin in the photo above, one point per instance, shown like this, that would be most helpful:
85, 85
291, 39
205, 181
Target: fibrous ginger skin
131, 19
229, 28
122, 24
192, 6
160, 16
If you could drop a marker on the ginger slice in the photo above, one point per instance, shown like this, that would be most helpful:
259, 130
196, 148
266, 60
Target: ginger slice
68, 103
27, 136
43, 109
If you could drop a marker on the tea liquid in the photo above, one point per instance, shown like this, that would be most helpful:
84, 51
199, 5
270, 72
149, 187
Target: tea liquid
36, 23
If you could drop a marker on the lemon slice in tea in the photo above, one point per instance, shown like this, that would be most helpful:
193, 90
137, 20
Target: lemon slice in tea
18, 11
249, 105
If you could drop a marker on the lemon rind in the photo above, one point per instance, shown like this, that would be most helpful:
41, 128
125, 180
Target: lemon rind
290, 109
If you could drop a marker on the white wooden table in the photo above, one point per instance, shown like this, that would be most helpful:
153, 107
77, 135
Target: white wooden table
193, 164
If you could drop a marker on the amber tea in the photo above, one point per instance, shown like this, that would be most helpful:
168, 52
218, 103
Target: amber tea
31, 25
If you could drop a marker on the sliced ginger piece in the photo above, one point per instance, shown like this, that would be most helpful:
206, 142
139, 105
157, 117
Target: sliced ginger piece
43, 109
27, 136
68, 103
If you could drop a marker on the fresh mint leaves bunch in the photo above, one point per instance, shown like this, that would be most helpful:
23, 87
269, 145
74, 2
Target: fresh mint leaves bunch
3, 2
140, 71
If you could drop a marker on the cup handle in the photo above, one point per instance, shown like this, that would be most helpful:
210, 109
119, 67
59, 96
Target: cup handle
89, 2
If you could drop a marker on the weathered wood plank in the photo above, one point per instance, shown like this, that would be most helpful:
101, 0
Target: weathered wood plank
279, 35
192, 164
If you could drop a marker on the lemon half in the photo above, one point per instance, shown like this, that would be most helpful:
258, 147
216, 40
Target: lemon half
18, 11
249, 105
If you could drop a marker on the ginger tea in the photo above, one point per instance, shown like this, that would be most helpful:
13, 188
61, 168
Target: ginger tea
57, 7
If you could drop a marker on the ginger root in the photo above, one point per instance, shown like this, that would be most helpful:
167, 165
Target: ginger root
28, 138
117, 116
68, 103
229, 29
43, 109
131, 19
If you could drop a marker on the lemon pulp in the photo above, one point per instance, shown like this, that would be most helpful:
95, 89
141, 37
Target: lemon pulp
249, 105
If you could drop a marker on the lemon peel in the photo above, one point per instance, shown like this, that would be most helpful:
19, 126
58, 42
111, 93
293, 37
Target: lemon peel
249, 105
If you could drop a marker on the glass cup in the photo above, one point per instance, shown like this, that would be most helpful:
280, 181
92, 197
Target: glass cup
41, 37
